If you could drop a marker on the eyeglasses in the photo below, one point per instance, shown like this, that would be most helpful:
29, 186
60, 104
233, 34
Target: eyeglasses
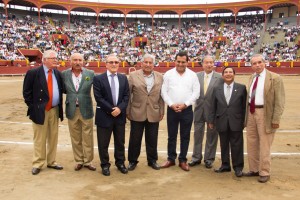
52, 58
113, 62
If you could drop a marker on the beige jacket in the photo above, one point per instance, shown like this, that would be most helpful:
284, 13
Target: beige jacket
274, 99
143, 105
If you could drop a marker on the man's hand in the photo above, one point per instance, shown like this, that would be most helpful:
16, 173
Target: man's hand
211, 126
275, 126
161, 117
116, 111
178, 107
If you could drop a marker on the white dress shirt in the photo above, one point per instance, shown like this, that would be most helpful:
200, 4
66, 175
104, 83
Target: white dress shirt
180, 89
259, 94
116, 83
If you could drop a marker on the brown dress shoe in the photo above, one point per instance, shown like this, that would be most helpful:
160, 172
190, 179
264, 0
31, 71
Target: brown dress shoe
184, 166
90, 167
78, 167
263, 179
167, 164
251, 173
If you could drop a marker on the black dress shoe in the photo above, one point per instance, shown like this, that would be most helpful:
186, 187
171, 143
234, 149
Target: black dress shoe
131, 166
35, 171
208, 164
57, 167
122, 169
105, 171
222, 169
194, 163
238, 173
249, 174
154, 165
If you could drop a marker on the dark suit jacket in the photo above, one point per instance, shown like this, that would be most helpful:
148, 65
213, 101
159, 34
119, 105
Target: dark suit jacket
36, 96
103, 97
232, 114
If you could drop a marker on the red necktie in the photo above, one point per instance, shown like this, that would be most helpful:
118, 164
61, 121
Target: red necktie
50, 90
252, 101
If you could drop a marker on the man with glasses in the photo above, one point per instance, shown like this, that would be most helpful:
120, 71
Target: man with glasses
111, 93
180, 90
42, 92
79, 111
145, 110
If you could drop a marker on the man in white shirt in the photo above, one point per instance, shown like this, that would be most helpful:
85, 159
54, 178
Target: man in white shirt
180, 90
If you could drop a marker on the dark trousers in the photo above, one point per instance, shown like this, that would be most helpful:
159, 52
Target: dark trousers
136, 135
103, 137
232, 140
185, 120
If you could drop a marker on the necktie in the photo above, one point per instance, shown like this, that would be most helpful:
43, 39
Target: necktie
205, 83
227, 95
50, 90
252, 100
113, 89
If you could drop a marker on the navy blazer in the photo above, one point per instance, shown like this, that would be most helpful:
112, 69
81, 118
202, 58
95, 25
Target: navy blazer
103, 97
232, 114
36, 96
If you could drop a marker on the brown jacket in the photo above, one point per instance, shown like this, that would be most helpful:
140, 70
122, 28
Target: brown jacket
143, 105
274, 99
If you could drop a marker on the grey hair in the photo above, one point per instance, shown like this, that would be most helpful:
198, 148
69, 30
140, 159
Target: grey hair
47, 53
148, 56
112, 55
257, 55
74, 54
207, 56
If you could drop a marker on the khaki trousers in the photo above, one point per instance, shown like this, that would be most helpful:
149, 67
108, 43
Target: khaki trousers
45, 134
81, 132
259, 143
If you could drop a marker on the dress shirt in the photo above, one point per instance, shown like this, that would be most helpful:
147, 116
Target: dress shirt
55, 99
149, 81
208, 77
225, 89
178, 89
76, 80
116, 83
259, 94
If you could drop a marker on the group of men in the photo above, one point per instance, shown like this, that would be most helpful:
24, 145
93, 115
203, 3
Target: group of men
221, 104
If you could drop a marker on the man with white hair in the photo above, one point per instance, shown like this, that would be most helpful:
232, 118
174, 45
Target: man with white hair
42, 92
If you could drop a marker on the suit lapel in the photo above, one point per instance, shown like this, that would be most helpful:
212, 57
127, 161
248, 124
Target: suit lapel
201, 80
234, 93
268, 81
83, 75
221, 93
70, 79
107, 86
42, 79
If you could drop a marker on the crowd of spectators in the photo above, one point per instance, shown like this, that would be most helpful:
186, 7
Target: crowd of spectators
95, 42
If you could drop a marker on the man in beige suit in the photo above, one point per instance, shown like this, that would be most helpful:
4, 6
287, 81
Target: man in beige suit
266, 105
145, 110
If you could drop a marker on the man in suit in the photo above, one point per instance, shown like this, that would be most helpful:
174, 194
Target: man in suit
79, 111
266, 105
42, 92
145, 110
227, 114
111, 91
180, 90
208, 79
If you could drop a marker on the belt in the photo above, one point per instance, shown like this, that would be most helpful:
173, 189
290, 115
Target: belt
77, 105
258, 106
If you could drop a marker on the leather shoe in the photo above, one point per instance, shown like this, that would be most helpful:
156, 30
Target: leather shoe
263, 179
57, 167
167, 164
131, 166
122, 169
90, 167
238, 173
194, 163
251, 174
184, 166
35, 171
208, 164
154, 165
105, 171
78, 167
222, 169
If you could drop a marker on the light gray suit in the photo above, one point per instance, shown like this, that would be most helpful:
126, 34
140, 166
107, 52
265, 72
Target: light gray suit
201, 113
80, 115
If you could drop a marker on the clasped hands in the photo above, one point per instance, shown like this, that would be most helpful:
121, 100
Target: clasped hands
116, 111
178, 107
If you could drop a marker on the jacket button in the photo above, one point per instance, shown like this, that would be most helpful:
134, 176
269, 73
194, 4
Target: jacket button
41, 90
40, 99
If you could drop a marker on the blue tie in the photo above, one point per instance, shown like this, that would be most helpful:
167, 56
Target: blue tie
113, 89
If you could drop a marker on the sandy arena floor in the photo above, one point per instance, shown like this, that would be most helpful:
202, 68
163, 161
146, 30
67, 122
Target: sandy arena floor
16, 181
